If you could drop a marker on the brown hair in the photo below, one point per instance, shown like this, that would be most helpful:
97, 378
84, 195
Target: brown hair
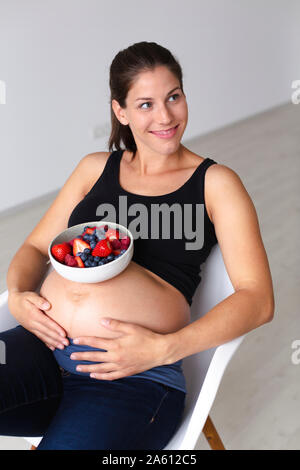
125, 67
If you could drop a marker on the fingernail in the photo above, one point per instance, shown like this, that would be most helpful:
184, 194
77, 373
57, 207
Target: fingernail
60, 346
45, 305
78, 368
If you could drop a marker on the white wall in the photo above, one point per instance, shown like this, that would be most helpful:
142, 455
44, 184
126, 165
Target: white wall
239, 57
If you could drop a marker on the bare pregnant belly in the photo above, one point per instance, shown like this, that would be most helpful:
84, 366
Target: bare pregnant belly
136, 295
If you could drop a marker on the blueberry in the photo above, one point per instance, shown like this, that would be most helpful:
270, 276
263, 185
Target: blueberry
93, 244
97, 259
87, 263
90, 258
105, 228
87, 251
122, 251
110, 257
84, 256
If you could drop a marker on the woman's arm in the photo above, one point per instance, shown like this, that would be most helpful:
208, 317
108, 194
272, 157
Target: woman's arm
26, 269
252, 304
29, 264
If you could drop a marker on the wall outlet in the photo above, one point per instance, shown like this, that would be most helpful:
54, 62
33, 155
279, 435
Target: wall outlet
100, 131
2, 92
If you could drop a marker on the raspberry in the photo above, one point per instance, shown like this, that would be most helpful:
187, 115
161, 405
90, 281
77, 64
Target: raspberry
70, 260
125, 242
115, 244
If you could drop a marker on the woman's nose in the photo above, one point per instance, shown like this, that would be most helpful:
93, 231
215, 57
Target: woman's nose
164, 116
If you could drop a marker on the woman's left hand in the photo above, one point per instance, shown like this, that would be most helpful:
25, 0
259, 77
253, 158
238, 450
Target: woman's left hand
136, 349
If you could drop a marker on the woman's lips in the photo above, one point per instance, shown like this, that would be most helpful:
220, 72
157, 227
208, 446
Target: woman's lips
166, 134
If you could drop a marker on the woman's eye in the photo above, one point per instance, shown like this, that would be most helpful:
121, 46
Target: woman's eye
148, 102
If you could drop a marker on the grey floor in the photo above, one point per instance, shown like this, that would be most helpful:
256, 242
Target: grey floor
257, 403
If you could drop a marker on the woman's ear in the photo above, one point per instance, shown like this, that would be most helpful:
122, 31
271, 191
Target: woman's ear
119, 112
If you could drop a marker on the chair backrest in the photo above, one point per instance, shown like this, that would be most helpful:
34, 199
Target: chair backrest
7, 321
203, 371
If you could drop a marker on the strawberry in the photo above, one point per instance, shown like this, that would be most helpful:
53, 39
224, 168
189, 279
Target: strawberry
71, 242
112, 234
103, 248
116, 252
60, 251
79, 262
79, 245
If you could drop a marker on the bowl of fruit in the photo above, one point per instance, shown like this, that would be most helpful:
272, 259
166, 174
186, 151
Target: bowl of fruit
91, 252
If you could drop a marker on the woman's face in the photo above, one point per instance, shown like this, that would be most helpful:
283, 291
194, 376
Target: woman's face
163, 106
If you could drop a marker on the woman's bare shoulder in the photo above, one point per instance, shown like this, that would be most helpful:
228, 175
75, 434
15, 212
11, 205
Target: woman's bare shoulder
220, 174
219, 179
222, 181
95, 163
97, 158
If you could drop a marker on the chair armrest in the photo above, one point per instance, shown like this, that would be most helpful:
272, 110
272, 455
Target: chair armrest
7, 320
197, 411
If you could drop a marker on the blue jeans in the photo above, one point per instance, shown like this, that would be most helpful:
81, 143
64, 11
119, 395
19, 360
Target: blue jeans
71, 411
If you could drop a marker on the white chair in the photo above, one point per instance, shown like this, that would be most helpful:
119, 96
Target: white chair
203, 371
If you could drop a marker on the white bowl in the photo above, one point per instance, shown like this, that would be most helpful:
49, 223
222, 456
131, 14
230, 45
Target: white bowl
96, 273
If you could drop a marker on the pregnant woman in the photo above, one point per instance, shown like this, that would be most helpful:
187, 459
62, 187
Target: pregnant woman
83, 384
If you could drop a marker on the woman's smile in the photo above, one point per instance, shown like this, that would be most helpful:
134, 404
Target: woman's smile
166, 134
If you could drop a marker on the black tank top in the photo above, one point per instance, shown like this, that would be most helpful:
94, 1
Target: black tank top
173, 234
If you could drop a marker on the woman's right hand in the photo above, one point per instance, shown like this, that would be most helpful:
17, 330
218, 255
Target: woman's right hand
28, 308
